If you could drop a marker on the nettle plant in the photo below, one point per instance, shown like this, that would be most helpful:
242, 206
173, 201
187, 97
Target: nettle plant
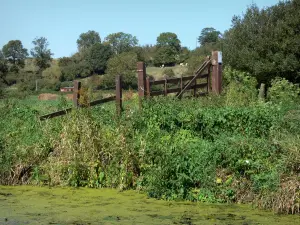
240, 87
283, 91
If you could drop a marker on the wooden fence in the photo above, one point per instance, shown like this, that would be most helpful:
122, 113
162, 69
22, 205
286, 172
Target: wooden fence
77, 104
209, 71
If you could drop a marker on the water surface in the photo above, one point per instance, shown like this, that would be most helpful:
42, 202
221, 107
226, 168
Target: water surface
43, 205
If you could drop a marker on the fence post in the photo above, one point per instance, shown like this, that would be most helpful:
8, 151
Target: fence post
217, 72
119, 94
148, 87
141, 69
208, 78
76, 93
262, 91
166, 86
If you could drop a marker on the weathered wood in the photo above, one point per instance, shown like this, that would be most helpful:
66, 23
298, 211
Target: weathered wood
76, 93
176, 80
216, 73
199, 71
208, 77
148, 87
141, 69
104, 100
262, 91
166, 87
56, 114
119, 95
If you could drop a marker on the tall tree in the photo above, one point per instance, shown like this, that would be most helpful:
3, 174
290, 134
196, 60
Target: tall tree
41, 53
87, 40
121, 42
168, 39
3, 67
98, 56
14, 52
208, 35
265, 42
123, 64
168, 49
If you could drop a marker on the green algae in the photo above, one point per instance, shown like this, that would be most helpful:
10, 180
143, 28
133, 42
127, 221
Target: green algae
42, 205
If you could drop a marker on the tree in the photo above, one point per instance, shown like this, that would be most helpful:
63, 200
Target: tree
168, 39
98, 56
3, 67
123, 64
168, 49
87, 40
14, 52
165, 55
41, 53
265, 42
208, 35
121, 42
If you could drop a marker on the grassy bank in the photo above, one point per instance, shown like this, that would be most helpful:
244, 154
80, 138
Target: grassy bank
217, 149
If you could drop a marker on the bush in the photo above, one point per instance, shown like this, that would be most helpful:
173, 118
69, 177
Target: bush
123, 64
169, 72
283, 91
240, 88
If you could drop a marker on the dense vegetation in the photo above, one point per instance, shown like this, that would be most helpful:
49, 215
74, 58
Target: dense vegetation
230, 148
213, 149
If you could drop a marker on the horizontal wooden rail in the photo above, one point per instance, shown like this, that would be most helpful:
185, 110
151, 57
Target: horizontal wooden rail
65, 111
176, 90
55, 114
175, 80
101, 101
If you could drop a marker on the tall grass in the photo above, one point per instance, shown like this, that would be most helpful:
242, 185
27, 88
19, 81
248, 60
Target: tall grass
197, 149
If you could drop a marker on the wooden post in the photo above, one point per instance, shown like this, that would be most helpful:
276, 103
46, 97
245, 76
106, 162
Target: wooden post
166, 86
262, 91
217, 72
141, 69
148, 87
195, 89
119, 94
76, 93
208, 79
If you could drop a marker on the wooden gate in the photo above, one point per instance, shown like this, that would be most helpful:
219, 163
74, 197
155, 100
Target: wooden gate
208, 77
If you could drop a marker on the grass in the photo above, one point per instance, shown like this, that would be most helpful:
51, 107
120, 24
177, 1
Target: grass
216, 149
158, 72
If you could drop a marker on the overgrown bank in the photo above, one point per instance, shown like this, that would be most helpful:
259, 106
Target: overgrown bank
213, 149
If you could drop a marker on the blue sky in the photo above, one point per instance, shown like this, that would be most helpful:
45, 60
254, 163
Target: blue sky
62, 21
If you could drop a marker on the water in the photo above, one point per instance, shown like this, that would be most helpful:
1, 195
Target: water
43, 205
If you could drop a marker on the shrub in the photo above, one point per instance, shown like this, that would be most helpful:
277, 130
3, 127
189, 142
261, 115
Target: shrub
240, 87
283, 91
169, 72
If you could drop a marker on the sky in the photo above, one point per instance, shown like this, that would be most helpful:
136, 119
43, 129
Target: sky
62, 21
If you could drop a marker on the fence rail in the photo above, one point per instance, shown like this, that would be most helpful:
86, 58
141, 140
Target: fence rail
145, 84
76, 98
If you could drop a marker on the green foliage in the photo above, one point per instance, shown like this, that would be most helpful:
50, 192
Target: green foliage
282, 91
264, 42
240, 87
98, 56
208, 35
41, 53
3, 67
123, 64
193, 149
168, 49
169, 72
121, 42
15, 54
74, 67
87, 40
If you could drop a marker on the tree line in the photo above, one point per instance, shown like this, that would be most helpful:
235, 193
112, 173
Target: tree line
263, 42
